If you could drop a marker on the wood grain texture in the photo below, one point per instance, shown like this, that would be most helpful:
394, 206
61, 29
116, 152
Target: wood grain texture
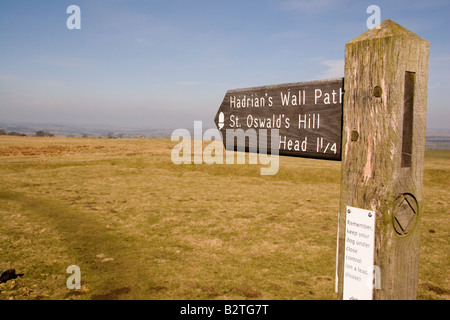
373, 177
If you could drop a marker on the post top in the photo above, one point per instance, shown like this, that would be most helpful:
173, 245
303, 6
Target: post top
387, 28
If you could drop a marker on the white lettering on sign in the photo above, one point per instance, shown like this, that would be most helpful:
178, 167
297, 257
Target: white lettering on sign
359, 251
307, 114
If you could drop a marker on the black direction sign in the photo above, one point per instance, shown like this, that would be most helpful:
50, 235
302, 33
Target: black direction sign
308, 116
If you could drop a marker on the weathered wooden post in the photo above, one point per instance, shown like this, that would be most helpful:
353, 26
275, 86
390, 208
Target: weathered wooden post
384, 118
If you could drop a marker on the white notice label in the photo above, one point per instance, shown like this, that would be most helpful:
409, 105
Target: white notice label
359, 250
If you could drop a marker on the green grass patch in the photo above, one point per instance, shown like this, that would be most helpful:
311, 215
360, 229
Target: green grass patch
141, 227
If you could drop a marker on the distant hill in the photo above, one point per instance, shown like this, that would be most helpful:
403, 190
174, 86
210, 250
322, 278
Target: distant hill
435, 138
438, 139
87, 131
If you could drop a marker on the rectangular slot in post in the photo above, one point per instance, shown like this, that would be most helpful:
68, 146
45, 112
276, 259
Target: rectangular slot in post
408, 124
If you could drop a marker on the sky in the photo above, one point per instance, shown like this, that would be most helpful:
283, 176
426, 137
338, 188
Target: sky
164, 64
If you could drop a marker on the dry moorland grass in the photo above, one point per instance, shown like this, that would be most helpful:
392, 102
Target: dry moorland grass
141, 227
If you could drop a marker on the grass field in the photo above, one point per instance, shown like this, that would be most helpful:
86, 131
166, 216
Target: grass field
141, 227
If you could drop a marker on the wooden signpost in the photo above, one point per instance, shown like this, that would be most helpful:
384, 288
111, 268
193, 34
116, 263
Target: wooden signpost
380, 138
383, 143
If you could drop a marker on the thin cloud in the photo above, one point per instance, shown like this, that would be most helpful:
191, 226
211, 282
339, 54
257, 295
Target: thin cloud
430, 4
188, 83
310, 5
289, 35
58, 62
335, 68
10, 78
